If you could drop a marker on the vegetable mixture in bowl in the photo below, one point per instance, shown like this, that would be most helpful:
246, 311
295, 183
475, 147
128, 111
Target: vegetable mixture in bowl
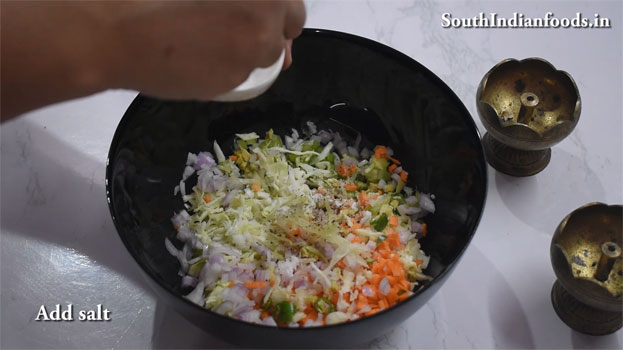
302, 231
316, 235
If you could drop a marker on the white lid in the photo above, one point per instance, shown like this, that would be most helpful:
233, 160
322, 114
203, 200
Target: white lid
256, 84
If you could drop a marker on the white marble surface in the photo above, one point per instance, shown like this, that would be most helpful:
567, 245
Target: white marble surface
58, 244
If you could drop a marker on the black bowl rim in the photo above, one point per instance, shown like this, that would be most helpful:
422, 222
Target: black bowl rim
375, 46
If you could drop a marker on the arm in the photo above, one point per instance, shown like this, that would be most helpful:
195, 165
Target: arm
53, 51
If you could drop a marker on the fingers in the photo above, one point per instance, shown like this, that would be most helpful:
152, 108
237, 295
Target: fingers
273, 38
295, 19
288, 59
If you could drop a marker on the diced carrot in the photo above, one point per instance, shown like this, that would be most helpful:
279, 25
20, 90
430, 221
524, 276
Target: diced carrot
264, 314
403, 176
395, 268
233, 157
207, 198
380, 151
392, 296
341, 264
403, 296
396, 161
334, 298
271, 283
383, 304
382, 246
392, 168
341, 169
310, 314
321, 191
393, 239
352, 169
355, 226
375, 279
356, 239
424, 229
313, 315
393, 220
256, 187
419, 262
391, 279
255, 284
375, 197
362, 301
376, 267
346, 297
345, 170
372, 312
296, 232
231, 284
363, 198
404, 284
350, 187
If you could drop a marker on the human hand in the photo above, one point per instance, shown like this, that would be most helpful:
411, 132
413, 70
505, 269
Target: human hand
200, 49
57, 50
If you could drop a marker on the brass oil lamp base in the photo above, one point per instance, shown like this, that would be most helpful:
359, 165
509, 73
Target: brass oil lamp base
513, 161
581, 317
527, 107
586, 257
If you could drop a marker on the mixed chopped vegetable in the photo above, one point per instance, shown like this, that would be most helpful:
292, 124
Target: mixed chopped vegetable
300, 231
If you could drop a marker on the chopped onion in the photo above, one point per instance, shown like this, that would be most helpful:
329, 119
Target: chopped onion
406, 210
365, 153
426, 203
336, 317
249, 136
364, 309
325, 136
204, 159
408, 190
367, 291
228, 198
188, 281
325, 151
219, 153
384, 286
416, 226
196, 296
352, 151
191, 159
357, 141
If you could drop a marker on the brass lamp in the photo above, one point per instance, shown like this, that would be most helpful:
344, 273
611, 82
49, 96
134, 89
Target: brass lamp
527, 107
586, 257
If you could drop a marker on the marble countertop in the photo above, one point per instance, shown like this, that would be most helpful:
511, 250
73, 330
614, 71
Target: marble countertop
59, 246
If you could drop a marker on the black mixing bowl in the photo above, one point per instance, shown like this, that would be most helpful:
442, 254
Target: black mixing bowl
339, 80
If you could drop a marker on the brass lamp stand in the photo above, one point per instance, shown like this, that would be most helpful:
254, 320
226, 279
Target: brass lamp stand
586, 257
527, 107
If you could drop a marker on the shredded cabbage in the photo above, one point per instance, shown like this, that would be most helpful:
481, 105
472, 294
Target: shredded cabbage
297, 223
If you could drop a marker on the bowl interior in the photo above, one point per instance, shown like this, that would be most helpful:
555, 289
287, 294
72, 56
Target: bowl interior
339, 81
